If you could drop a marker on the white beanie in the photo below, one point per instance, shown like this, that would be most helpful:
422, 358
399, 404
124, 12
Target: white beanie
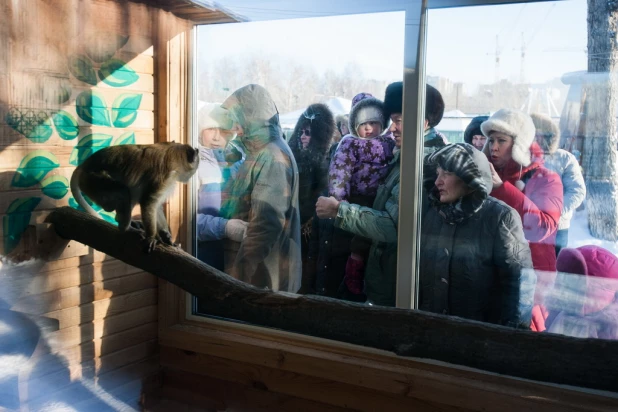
212, 115
516, 124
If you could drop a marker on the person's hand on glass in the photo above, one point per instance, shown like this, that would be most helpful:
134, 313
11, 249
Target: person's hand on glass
235, 229
326, 207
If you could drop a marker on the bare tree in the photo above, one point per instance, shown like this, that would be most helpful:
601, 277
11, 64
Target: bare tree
599, 148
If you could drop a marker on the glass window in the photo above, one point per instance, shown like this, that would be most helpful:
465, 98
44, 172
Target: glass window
520, 223
288, 111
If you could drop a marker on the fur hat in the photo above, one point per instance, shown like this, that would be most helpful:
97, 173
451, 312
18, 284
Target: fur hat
434, 103
211, 116
474, 128
393, 99
547, 128
366, 110
516, 124
321, 121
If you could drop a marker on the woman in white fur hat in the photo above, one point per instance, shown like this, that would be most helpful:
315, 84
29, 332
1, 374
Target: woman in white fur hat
521, 181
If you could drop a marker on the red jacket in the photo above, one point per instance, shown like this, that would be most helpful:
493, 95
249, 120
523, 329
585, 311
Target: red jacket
539, 206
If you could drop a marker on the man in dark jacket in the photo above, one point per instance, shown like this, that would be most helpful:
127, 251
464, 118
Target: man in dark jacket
380, 222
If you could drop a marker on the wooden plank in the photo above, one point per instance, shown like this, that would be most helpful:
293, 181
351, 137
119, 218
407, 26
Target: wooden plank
75, 296
206, 392
144, 84
302, 386
11, 138
410, 377
85, 332
81, 361
74, 391
54, 361
100, 309
48, 281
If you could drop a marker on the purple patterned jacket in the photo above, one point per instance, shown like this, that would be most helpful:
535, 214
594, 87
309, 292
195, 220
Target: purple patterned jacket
359, 166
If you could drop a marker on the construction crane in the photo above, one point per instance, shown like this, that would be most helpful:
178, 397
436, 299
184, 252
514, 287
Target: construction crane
497, 61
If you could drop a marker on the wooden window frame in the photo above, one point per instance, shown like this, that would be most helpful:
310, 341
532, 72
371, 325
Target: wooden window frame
365, 368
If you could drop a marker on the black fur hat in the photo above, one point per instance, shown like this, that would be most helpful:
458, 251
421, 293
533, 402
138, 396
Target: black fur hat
434, 103
321, 121
474, 128
393, 99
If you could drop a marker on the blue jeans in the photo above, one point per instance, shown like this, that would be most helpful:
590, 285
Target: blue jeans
562, 239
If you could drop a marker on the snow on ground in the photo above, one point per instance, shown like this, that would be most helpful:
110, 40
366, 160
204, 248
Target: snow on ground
579, 234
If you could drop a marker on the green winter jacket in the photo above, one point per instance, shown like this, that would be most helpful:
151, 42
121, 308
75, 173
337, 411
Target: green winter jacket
379, 224
264, 194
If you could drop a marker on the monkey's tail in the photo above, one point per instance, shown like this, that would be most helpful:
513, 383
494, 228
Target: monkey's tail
77, 193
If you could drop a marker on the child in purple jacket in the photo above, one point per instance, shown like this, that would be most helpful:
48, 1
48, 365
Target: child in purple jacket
360, 164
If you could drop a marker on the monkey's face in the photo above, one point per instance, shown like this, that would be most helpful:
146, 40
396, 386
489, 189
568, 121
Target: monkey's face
191, 164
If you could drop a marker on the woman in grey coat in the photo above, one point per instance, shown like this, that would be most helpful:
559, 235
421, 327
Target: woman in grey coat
475, 262
566, 166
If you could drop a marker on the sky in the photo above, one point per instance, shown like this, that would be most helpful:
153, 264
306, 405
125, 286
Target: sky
461, 42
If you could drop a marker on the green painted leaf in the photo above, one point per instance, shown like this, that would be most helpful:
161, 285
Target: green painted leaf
66, 125
109, 217
33, 168
63, 94
90, 106
82, 69
88, 145
16, 221
125, 138
36, 126
55, 187
102, 46
116, 73
124, 109
73, 203
41, 132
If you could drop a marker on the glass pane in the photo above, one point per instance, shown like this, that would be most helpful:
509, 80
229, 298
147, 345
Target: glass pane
283, 120
520, 215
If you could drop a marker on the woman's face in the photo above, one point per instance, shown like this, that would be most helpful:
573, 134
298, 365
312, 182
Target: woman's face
305, 136
478, 141
500, 148
451, 187
215, 138
344, 129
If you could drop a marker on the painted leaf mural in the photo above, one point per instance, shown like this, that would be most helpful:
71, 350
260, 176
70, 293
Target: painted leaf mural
125, 138
33, 124
124, 109
55, 187
90, 106
101, 47
109, 217
63, 94
16, 220
66, 125
117, 73
88, 145
33, 168
82, 69
73, 203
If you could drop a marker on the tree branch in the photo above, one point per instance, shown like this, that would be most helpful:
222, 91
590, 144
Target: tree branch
539, 356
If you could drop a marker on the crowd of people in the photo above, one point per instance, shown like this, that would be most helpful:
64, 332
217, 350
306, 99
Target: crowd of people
318, 214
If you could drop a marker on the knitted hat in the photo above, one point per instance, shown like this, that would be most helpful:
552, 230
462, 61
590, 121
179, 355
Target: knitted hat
359, 97
516, 124
211, 116
474, 128
547, 128
367, 110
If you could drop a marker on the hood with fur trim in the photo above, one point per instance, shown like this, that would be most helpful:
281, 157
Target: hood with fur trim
368, 109
474, 128
547, 128
516, 124
321, 122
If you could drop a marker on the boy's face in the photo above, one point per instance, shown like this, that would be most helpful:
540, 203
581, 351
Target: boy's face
215, 138
369, 129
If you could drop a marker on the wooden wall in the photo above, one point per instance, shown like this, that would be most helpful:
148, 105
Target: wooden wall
75, 76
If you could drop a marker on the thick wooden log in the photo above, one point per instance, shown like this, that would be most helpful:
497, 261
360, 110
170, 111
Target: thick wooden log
539, 356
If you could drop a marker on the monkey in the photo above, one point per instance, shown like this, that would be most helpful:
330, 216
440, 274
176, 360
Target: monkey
119, 177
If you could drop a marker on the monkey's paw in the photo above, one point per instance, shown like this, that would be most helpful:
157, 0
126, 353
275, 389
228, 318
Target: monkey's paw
149, 244
137, 225
166, 237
